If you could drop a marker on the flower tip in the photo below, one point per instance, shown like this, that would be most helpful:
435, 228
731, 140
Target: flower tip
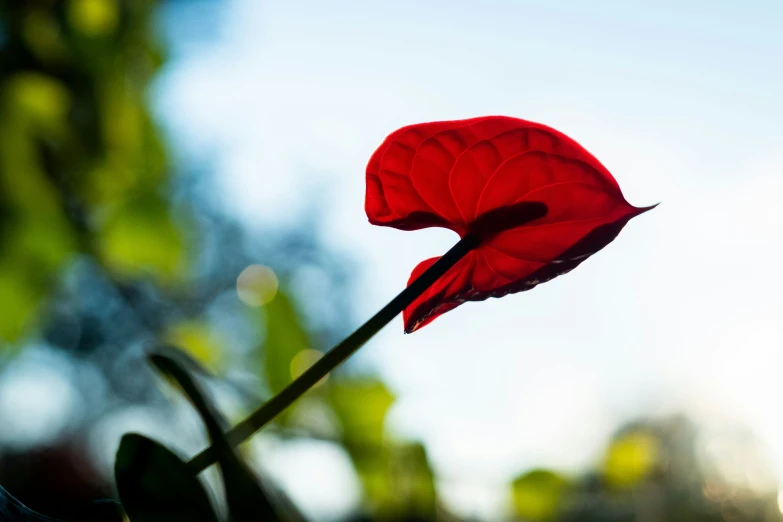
409, 328
642, 210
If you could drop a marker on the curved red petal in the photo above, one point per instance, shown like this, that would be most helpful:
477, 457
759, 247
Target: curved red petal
444, 295
483, 177
489, 272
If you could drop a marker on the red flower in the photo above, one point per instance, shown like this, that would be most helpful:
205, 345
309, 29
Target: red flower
537, 203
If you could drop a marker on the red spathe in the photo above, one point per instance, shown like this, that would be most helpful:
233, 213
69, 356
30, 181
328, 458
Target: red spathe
452, 173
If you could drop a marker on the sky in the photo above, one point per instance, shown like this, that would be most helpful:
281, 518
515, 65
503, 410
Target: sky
680, 101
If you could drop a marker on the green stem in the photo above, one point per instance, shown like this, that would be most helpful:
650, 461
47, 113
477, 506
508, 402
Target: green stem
334, 357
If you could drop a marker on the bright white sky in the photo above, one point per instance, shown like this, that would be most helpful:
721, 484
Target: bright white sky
682, 311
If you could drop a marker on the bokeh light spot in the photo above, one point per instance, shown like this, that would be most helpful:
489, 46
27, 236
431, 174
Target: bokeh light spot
94, 17
257, 285
631, 458
537, 495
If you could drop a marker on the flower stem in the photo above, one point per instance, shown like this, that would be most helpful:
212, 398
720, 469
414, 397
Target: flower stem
334, 357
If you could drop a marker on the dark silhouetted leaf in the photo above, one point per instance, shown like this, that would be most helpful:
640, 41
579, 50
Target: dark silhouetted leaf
11, 510
101, 511
157, 486
247, 500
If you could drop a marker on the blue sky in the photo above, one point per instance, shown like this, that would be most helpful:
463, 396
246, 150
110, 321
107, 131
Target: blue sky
680, 102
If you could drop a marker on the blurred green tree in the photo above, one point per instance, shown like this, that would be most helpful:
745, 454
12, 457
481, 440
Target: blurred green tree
655, 470
105, 248
82, 167
108, 246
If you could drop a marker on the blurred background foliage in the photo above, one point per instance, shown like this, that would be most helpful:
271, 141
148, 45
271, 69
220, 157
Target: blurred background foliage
108, 246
